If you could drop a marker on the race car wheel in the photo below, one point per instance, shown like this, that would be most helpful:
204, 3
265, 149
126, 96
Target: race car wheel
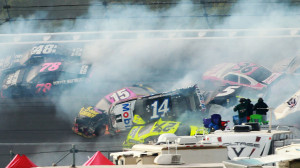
100, 130
151, 139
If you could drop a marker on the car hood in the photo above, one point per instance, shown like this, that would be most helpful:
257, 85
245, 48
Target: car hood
218, 71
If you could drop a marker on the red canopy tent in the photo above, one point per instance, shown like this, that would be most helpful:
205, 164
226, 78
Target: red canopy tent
21, 161
98, 159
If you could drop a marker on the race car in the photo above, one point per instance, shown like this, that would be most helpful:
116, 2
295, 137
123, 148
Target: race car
145, 133
87, 125
169, 106
242, 74
40, 53
42, 79
122, 115
126, 93
52, 52
225, 96
90, 122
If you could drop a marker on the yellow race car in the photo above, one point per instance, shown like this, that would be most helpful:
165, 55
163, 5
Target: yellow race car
145, 133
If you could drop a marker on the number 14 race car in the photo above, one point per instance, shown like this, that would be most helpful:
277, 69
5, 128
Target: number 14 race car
122, 115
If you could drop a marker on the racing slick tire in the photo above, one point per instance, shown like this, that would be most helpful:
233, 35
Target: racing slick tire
100, 130
151, 139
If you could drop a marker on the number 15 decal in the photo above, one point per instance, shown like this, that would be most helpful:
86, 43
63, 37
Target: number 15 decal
160, 111
121, 94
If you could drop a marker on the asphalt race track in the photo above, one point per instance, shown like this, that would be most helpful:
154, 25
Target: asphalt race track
34, 128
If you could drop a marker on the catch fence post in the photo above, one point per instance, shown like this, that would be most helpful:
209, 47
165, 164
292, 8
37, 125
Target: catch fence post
11, 155
73, 150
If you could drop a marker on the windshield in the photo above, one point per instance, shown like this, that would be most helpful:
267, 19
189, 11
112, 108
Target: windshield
261, 74
103, 104
139, 91
146, 130
25, 58
33, 73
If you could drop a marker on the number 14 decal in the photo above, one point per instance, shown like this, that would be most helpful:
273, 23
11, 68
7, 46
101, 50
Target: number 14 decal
161, 110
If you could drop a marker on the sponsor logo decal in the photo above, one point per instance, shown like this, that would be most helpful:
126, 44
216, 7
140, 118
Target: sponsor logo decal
68, 81
239, 152
126, 114
241, 144
88, 112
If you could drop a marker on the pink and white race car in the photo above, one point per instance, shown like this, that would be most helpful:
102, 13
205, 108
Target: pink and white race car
242, 74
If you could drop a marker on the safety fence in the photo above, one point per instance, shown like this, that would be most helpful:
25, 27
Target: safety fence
56, 154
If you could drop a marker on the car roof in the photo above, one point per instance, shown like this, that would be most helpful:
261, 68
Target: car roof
220, 70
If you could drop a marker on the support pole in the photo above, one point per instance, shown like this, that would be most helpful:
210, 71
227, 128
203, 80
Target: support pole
11, 155
73, 150
270, 121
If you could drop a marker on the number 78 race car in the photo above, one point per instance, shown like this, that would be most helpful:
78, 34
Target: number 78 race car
42, 79
123, 115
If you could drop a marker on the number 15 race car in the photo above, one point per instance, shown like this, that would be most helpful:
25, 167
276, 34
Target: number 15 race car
122, 115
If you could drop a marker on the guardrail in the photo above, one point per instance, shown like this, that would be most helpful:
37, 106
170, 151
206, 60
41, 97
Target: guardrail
198, 34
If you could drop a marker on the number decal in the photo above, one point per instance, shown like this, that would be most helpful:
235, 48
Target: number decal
54, 66
13, 78
37, 49
44, 49
120, 95
168, 127
51, 66
76, 52
161, 111
245, 68
44, 87
227, 91
240, 66
83, 69
158, 127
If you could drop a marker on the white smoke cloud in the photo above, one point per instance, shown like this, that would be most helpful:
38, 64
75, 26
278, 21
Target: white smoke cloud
120, 63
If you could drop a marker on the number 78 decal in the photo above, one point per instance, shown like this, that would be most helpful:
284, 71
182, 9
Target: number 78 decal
44, 87
51, 66
160, 111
